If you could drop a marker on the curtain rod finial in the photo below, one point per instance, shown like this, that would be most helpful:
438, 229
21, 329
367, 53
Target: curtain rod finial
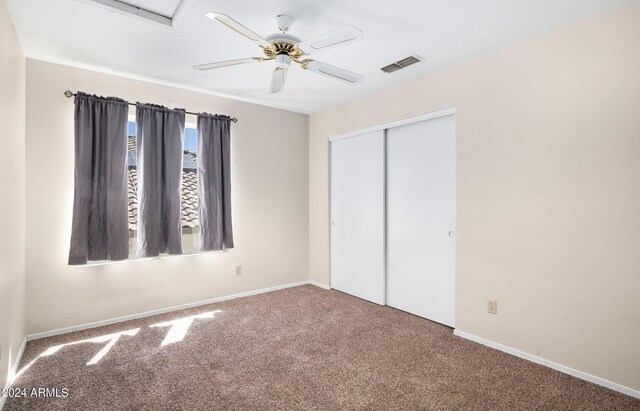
68, 94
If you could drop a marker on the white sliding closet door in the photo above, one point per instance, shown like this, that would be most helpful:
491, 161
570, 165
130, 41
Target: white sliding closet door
421, 217
357, 216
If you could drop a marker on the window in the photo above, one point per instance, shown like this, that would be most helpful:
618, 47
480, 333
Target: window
189, 194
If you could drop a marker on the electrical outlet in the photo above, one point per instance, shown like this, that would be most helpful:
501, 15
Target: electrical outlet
492, 306
238, 269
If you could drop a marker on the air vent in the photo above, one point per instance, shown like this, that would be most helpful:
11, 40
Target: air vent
401, 64
391, 68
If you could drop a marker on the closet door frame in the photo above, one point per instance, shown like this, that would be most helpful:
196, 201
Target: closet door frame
385, 126
396, 123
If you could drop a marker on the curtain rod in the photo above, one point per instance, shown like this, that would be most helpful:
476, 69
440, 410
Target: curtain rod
70, 94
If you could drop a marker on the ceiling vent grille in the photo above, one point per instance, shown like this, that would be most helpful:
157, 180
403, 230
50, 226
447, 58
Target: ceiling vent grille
401, 64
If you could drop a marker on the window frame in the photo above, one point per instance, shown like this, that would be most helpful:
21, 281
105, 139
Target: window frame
134, 258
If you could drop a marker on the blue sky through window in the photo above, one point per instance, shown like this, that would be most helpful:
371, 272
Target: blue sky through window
190, 139
189, 136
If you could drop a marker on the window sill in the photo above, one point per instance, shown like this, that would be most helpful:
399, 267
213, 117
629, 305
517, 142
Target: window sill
160, 257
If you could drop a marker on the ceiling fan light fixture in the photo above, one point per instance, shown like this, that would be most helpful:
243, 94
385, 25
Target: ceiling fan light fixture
283, 60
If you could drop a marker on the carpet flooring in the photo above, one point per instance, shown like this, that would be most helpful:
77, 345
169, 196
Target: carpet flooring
300, 348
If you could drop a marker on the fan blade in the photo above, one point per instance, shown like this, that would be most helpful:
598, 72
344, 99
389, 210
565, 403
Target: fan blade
218, 64
226, 63
332, 71
237, 27
277, 80
333, 38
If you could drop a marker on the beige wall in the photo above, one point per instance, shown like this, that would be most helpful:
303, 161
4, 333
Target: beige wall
12, 128
270, 205
548, 178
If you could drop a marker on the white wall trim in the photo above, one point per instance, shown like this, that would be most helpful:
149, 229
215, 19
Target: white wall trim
396, 123
14, 371
321, 285
548, 363
86, 326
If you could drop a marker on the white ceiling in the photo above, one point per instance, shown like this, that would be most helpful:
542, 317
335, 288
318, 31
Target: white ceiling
79, 33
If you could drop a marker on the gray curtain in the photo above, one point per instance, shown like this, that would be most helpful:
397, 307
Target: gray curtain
214, 182
99, 229
160, 134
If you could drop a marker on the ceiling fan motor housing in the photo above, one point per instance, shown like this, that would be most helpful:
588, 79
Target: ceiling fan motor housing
284, 22
283, 44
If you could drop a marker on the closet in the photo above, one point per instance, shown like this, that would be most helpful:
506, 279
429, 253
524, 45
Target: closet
393, 215
357, 216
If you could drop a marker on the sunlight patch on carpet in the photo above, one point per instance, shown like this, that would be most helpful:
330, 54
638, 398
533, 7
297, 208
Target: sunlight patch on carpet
179, 327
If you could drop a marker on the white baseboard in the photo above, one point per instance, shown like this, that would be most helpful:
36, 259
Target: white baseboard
13, 372
550, 364
159, 311
321, 285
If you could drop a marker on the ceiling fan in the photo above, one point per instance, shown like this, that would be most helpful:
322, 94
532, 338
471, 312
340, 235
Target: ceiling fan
285, 48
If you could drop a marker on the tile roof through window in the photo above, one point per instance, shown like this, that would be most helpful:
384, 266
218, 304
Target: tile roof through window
189, 193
